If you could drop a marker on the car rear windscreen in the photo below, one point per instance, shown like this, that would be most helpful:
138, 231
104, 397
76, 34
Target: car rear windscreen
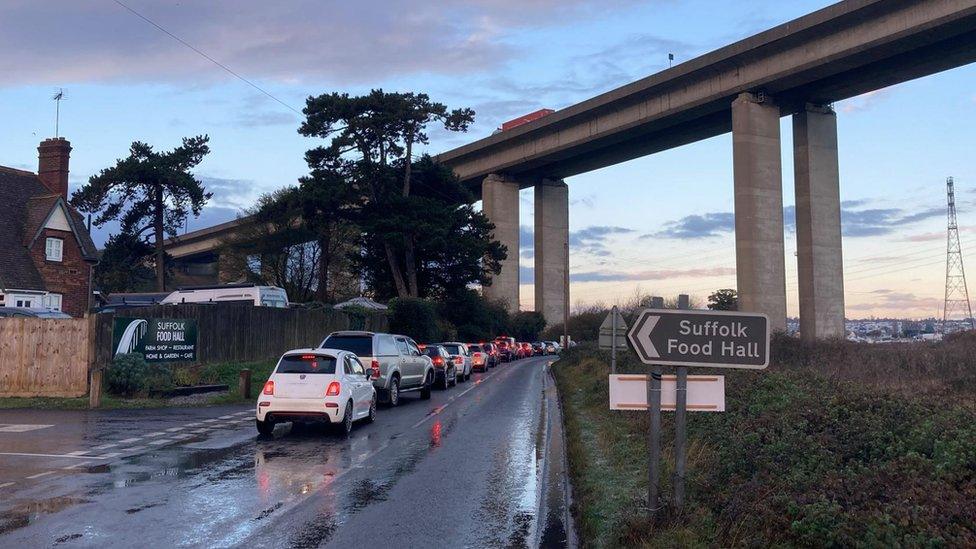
453, 349
306, 364
475, 348
359, 345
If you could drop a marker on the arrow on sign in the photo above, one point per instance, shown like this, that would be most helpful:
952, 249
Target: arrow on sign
640, 336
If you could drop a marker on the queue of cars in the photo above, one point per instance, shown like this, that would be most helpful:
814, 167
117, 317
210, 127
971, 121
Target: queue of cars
350, 372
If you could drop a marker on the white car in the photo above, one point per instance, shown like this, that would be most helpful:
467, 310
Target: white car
317, 385
461, 357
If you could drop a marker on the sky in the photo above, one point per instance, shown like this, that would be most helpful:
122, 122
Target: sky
661, 224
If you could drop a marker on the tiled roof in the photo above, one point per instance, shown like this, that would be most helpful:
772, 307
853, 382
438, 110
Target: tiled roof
16, 268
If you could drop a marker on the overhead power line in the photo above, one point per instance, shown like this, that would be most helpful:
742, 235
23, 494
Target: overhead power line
208, 58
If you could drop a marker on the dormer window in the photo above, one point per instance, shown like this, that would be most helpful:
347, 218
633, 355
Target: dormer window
54, 249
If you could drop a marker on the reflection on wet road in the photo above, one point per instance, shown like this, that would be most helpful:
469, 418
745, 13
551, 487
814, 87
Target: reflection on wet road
461, 469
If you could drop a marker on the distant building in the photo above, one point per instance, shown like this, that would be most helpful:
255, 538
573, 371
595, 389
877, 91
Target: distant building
46, 253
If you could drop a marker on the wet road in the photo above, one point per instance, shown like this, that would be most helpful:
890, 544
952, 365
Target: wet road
464, 469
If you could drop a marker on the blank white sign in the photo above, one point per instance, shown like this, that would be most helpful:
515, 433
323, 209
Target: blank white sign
705, 393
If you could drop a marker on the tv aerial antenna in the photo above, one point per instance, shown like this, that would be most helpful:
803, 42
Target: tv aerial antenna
57, 97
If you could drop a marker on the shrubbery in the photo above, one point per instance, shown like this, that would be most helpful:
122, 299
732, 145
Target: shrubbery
466, 316
130, 375
801, 457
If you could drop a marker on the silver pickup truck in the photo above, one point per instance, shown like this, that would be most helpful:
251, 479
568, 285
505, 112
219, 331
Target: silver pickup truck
397, 363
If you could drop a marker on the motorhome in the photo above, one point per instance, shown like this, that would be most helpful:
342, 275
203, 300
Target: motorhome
261, 296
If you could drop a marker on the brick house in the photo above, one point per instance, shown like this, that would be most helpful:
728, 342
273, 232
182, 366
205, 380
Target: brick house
46, 253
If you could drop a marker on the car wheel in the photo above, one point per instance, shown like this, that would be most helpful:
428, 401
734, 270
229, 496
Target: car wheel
442, 384
372, 411
425, 390
265, 428
454, 380
394, 392
345, 427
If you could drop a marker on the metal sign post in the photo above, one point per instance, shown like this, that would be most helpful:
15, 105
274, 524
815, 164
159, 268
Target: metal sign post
680, 424
612, 335
653, 440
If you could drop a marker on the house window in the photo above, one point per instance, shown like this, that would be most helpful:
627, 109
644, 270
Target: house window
53, 250
26, 303
51, 301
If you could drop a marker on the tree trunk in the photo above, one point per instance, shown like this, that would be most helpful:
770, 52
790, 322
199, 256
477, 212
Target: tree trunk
410, 258
401, 288
325, 260
158, 230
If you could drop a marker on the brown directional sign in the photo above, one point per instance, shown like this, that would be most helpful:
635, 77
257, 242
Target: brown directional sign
717, 339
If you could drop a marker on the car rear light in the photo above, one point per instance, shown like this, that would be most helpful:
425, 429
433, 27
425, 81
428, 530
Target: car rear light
458, 360
333, 389
376, 369
268, 388
331, 404
308, 357
438, 361
265, 403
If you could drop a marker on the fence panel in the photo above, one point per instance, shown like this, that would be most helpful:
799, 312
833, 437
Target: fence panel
44, 357
240, 333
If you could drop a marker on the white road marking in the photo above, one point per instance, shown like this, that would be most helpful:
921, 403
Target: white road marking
106, 446
21, 428
39, 475
160, 442
181, 437
451, 400
225, 417
5, 484
130, 440
110, 455
210, 420
26, 454
136, 449
156, 434
192, 424
76, 465
173, 429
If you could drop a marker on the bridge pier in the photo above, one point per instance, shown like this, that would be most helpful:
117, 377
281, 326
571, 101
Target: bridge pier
500, 202
758, 180
820, 265
551, 249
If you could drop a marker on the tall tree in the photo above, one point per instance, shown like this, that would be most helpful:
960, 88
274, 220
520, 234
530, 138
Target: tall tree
149, 192
125, 265
725, 299
371, 149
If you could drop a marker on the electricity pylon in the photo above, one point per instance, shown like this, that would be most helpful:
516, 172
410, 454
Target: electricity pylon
956, 292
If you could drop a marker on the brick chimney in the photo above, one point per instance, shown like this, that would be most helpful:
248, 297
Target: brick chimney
52, 164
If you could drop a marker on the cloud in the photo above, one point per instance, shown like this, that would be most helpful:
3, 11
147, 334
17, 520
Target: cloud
526, 274
890, 300
587, 201
664, 274
865, 101
230, 193
526, 242
697, 226
593, 240
302, 40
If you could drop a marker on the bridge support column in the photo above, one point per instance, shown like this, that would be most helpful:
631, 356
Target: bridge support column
551, 249
500, 202
758, 177
818, 233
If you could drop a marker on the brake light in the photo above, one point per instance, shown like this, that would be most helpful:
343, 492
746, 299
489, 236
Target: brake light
308, 357
268, 388
458, 360
333, 389
376, 369
438, 361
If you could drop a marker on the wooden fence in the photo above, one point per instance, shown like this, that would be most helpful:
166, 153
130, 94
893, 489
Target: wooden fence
54, 358
44, 357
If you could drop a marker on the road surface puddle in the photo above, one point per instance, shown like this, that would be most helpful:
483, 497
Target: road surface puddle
26, 513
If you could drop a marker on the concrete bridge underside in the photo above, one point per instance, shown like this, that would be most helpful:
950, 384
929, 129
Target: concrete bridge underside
796, 69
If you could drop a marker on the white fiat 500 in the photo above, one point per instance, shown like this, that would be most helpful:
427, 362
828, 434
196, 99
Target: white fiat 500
317, 385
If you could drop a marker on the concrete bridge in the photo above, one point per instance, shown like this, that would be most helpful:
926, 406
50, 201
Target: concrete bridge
796, 69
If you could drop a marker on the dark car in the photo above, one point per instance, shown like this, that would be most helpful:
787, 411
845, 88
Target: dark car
506, 348
492, 351
445, 372
538, 349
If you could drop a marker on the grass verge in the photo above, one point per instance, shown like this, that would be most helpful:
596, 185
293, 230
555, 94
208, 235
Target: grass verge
224, 373
799, 459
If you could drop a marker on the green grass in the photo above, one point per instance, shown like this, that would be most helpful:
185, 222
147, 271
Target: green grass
224, 373
798, 459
